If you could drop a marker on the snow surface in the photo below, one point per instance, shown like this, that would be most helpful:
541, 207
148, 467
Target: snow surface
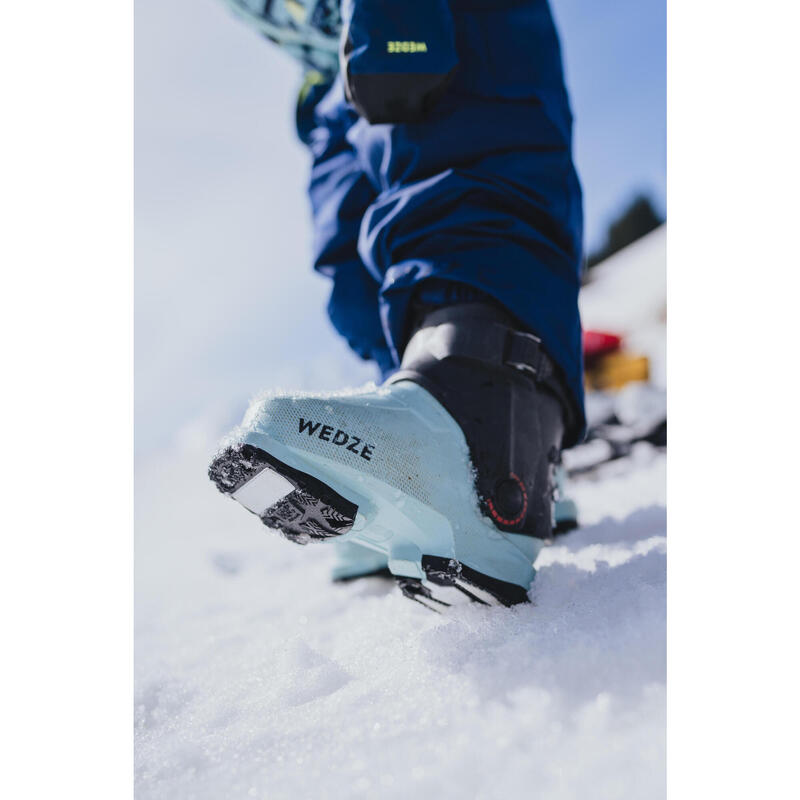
256, 677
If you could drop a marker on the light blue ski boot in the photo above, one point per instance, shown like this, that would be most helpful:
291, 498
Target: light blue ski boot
445, 473
354, 561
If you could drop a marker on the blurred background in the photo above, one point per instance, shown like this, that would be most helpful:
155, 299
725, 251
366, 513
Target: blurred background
222, 221
255, 676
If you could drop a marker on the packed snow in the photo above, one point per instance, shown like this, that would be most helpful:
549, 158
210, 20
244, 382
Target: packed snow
256, 677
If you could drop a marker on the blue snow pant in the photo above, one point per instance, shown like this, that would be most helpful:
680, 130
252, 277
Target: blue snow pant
482, 193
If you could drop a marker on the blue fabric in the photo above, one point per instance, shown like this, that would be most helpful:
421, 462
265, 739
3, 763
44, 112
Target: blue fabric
482, 193
374, 27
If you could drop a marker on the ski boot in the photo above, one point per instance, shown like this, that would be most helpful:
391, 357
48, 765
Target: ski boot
445, 472
354, 561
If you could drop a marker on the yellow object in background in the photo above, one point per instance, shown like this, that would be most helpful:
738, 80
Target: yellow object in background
615, 370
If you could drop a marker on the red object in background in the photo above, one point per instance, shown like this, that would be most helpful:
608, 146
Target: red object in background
599, 343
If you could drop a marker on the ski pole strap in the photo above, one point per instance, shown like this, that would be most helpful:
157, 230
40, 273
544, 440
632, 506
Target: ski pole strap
461, 333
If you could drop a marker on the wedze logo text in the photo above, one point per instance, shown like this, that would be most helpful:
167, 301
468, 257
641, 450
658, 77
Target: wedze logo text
339, 438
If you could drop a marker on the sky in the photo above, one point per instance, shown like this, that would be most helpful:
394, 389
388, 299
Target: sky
225, 300
615, 55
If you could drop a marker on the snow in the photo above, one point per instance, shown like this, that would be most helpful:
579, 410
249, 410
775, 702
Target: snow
256, 677
628, 291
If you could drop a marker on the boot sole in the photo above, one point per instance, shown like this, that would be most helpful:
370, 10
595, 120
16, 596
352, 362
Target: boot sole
303, 508
306, 509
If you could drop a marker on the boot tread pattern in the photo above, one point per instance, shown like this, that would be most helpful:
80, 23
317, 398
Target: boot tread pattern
312, 512
316, 512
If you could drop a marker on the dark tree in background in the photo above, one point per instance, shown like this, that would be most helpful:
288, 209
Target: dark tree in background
638, 219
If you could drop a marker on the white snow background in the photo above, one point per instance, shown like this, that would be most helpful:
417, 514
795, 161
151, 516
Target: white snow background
256, 677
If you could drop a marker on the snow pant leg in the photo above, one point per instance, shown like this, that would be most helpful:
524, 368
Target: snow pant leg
340, 193
484, 192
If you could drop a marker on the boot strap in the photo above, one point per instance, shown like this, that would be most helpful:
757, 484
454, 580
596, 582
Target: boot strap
493, 344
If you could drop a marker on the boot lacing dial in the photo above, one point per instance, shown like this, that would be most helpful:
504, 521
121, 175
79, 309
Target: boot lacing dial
509, 503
